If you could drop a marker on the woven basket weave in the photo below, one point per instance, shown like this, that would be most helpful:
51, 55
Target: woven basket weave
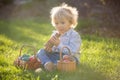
30, 64
66, 66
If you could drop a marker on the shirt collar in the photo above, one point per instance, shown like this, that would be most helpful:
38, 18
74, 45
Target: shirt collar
68, 32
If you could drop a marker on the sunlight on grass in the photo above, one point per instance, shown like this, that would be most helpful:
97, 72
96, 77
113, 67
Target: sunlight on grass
102, 55
29, 33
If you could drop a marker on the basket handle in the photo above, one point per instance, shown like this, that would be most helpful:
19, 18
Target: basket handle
25, 45
62, 50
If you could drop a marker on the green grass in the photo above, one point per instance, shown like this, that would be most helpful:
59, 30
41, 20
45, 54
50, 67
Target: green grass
100, 58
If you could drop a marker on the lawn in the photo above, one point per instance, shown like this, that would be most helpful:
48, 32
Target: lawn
99, 59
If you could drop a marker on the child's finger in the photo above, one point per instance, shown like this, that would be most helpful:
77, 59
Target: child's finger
52, 40
49, 49
54, 37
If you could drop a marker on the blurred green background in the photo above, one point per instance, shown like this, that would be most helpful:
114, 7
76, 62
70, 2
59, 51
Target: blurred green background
95, 16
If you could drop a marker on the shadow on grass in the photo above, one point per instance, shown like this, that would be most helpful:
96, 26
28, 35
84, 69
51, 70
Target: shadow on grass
88, 73
25, 31
84, 72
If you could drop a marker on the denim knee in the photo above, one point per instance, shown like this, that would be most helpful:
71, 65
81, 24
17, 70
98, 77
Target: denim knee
41, 52
42, 55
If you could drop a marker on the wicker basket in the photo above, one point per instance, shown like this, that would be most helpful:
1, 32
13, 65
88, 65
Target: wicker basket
29, 64
66, 66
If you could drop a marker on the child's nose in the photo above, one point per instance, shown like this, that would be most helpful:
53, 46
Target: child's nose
61, 25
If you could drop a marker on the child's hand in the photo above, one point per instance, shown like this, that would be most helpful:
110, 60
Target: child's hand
48, 47
55, 40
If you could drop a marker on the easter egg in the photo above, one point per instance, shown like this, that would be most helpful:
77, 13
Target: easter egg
66, 57
66, 61
31, 58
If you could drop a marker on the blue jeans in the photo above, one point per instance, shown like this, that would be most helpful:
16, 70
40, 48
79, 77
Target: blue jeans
45, 56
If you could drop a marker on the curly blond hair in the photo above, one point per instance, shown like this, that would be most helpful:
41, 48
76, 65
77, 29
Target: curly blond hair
65, 11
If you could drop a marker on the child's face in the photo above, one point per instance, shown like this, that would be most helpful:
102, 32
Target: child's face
62, 25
